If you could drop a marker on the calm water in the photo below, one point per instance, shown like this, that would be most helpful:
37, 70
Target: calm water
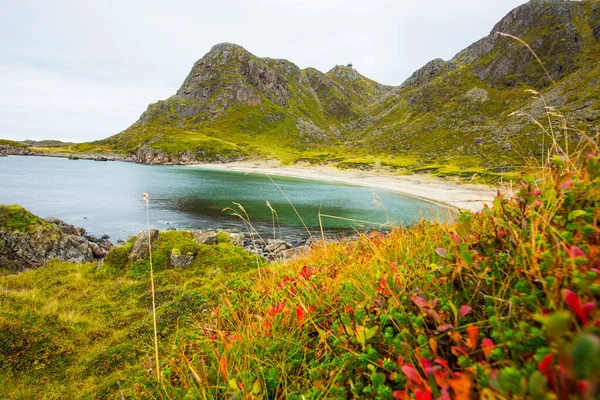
105, 198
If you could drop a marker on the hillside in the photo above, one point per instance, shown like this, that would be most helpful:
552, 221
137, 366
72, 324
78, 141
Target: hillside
496, 305
449, 117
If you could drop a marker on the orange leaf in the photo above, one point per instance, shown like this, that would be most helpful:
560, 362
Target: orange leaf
223, 366
300, 314
462, 385
433, 345
488, 346
473, 332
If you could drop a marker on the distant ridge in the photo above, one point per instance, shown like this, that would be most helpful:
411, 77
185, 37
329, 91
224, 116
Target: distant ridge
235, 105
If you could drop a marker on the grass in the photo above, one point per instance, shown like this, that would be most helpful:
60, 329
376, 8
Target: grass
489, 305
82, 330
500, 303
16, 218
5, 142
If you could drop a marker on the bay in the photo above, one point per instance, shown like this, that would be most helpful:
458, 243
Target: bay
106, 198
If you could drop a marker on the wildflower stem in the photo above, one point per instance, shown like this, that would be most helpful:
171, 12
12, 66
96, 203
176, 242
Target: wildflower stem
145, 196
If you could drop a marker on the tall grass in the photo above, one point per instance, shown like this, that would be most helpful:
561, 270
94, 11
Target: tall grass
147, 201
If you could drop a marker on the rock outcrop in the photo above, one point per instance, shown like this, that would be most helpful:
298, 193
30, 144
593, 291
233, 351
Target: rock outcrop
140, 248
206, 237
8, 148
179, 260
428, 72
27, 241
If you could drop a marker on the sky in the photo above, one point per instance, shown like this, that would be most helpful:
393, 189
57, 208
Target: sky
77, 70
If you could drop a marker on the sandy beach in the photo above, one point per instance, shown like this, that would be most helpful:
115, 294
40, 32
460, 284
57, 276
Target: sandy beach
460, 196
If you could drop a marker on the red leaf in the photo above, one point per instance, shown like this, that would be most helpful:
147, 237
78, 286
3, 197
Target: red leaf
464, 310
411, 373
427, 366
575, 251
572, 300
444, 328
306, 272
400, 395
502, 233
419, 301
566, 184
584, 388
443, 363
456, 350
473, 332
300, 314
488, 346
455, 237
277, 309
423, 396
545, 366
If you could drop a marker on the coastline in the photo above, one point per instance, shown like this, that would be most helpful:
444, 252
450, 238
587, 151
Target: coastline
463, 196
466, 196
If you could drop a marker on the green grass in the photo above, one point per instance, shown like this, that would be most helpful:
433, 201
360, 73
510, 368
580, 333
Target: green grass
491, 304
16, 218
5, 142
81, 330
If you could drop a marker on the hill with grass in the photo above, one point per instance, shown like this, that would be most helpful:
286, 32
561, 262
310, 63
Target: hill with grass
449, 117
499, 304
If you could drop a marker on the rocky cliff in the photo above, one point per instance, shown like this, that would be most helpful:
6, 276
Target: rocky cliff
234, 105
27, 241
8, 148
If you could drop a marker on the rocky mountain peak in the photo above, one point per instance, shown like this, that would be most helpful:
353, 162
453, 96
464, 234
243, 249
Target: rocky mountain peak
427, 73
225, 49
344, 72
522, 18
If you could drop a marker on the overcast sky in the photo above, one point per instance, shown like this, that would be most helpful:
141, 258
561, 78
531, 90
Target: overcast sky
78, 70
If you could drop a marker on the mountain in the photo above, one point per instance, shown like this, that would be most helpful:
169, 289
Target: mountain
450, 117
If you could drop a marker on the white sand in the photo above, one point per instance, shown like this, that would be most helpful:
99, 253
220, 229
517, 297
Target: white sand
427, 187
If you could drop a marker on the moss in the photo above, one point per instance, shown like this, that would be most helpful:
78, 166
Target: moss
16, 218
223, 237
116, 357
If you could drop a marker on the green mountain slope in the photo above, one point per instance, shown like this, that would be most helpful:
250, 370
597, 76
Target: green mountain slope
450, 116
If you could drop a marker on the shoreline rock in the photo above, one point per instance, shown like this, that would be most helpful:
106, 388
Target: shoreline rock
27, 246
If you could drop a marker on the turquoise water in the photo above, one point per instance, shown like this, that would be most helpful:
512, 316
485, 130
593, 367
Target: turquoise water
105, 198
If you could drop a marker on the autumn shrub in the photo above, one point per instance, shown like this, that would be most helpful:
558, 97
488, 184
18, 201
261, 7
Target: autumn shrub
501, 303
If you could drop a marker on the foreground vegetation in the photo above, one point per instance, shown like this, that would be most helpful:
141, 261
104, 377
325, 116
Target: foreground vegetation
499, 304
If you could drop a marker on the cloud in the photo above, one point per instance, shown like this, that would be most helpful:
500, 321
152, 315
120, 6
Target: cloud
80, 71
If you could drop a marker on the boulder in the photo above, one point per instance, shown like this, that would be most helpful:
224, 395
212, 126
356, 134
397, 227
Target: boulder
275, 246
205, 237
66, 228
140, 247
98, 251
237, 239
293, 252
179, 260
29, 246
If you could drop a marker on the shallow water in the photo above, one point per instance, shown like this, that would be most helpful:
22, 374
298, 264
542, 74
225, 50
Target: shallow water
105, 198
